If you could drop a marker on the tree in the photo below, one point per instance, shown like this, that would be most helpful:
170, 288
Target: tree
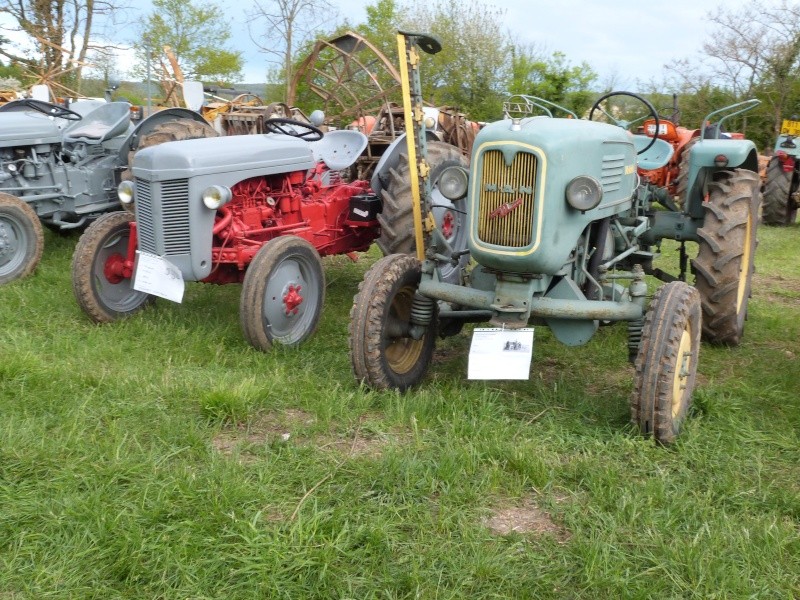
293, 22
196, 35
61, 31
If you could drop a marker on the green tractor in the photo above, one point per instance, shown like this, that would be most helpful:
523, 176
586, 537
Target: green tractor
782, 182
562, 232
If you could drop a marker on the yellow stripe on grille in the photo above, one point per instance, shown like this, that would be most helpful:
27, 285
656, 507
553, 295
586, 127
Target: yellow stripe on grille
506, 199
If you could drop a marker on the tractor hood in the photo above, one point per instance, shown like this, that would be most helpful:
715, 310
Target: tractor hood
259, 154
520, 219
27, 128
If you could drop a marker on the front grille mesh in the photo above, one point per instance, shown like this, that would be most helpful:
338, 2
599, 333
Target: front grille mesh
613, 170
173, 236
506, 199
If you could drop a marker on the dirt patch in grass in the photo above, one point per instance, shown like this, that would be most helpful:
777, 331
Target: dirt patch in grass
526, 517
265, 429
776, 289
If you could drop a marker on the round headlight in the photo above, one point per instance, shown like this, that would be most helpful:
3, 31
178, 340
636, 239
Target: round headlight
125, 192
215, 196
453, 183
584, 193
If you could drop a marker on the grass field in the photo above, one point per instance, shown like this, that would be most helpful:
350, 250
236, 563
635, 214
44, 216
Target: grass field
162, 457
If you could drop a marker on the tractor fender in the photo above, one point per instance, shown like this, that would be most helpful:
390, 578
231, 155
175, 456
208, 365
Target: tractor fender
147, 125
741, 154
390, 160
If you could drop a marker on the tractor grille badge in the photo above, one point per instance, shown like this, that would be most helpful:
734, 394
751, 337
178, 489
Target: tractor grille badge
505, 209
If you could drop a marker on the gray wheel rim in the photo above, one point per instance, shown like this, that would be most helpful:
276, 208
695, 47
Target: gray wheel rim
285, 321
119, 297
14, 242
449, 215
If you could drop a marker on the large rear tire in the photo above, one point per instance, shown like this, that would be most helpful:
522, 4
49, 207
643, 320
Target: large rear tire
779, 208
397, 217
382, 353
282, 294
683, 172
725, 262
100, 288
666, 364
21, 239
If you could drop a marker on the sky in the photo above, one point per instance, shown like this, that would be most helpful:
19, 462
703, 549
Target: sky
627, 41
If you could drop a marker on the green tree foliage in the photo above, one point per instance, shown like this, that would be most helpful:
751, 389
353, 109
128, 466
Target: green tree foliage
196, 33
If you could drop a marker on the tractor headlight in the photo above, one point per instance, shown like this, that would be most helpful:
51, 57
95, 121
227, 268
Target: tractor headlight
453, 183
215, 196
584, 193
125, 192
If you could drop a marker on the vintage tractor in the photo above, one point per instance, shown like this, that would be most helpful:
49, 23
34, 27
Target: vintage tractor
62, 166
782, 181
258, 210
557, 223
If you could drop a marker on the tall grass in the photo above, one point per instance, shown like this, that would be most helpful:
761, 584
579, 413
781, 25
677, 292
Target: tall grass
161, 457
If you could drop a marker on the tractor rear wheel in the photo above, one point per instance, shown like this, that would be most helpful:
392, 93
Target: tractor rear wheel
283, 293
725, 261
383, 354
169, 131
397, 217
101, 289
21, 239
683, 172
666, 364
779, 208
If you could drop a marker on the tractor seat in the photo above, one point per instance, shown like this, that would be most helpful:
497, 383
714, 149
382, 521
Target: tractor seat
339, 149
103, 123
656, 156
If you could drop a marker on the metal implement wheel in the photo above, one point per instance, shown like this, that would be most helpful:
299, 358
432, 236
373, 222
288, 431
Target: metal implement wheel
651, 113
21, 239
666, 364
284, 126
725, 261
397, 217
383, 353
283, 293
779, 208
170, 131
99, 280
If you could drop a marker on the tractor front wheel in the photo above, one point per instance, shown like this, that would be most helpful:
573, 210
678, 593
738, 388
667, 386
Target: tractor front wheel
21, 239
283, 293
99, 280
779, 208
666, 364
725, 261
383, 352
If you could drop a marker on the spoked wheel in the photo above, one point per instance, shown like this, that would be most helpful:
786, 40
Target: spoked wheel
283, 293
101, 273
666, 365
725, 261
384, 352
21, 239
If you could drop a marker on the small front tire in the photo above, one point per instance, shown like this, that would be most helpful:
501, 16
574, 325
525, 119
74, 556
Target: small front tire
21, 239
102, 290
666, 364
383, 354
282, 294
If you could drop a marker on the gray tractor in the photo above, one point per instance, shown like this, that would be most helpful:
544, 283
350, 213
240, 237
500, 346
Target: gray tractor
61, 166
782, 181
562, 231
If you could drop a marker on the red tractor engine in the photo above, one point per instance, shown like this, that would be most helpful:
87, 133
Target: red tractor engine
335, 217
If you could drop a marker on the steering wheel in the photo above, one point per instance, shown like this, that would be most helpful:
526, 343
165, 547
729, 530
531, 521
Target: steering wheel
52, 110
284, 126
651, 112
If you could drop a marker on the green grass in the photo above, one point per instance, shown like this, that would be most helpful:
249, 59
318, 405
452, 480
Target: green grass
161, 457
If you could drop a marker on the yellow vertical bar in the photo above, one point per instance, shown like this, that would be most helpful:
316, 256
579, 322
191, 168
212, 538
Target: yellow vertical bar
413, 172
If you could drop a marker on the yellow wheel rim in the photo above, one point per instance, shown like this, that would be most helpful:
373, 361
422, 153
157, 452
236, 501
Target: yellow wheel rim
683, 366
403, 353
744, 266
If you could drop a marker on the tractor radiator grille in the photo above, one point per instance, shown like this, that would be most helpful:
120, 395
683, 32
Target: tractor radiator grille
173, 236
506, 199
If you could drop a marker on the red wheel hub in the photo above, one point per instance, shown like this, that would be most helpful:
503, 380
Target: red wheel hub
292, 299
448, 224
114, 269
